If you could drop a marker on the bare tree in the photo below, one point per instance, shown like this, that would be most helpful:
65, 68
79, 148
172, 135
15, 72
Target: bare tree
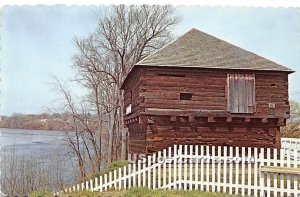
124, 35
292, 128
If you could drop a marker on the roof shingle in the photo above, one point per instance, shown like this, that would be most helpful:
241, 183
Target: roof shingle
200, 50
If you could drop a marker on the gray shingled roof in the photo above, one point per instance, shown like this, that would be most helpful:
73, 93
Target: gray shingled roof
200, 50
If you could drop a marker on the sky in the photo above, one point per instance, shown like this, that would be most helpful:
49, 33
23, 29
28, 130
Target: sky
37, 44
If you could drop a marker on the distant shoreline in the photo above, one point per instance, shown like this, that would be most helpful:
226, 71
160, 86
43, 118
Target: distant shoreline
42, 130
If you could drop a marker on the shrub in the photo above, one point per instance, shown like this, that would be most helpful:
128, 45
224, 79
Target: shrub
41, 194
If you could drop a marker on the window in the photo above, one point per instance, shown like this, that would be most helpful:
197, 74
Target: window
186, 96
128, 109
241, 93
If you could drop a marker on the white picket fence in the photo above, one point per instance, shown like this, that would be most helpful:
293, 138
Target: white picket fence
288, 144
234, 170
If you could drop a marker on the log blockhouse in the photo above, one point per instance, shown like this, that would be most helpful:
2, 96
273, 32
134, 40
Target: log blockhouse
202, 90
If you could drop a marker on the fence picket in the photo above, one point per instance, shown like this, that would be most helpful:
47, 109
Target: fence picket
219, 169
288, 182
149, 172
275, 175
296, 185
115, 179
185, 167
170, 168
159, 159
202, 168
243, 171
101, 185
129, 175
120, 178
144, 172
91, 185
154, 171
180, 160
230, 169
225, 169
191, 168
213, 169
262, 178
249, 171
164, 167
175, 166
255, 170
139, 173
282, 155
87, 185
207, 169
196, 167
110, 179
237, 157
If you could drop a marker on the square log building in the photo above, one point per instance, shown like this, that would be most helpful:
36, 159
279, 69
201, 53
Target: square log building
203, 90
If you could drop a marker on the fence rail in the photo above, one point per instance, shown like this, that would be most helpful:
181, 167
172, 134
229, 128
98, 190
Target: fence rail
234, 170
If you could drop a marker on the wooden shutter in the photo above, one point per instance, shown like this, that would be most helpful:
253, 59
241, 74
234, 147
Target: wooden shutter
241, 93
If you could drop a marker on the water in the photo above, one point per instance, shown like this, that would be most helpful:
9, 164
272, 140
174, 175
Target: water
42, 146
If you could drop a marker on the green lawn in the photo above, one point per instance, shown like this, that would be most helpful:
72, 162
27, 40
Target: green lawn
144, 192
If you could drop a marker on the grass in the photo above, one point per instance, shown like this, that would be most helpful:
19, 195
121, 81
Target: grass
145, 192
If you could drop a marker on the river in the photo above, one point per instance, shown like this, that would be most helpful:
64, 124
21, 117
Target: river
42, 146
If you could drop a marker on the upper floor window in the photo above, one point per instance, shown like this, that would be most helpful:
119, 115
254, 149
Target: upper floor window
241, 93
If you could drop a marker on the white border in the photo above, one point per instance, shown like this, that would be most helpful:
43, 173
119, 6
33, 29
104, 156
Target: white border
252, 3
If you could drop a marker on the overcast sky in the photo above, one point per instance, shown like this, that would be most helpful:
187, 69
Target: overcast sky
37, 43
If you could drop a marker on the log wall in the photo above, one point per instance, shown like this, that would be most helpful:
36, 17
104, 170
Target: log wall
160, 87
